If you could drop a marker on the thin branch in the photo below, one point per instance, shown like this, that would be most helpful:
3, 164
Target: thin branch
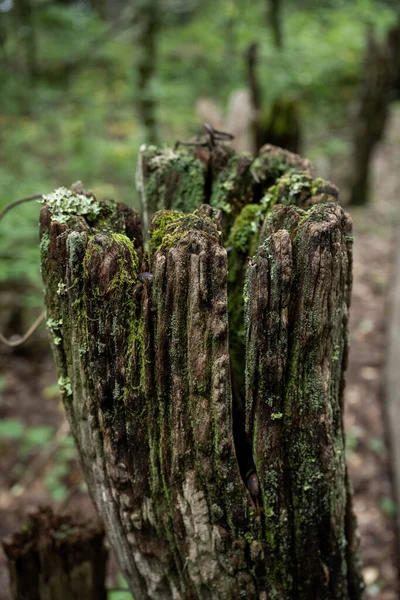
12, 343
7, 208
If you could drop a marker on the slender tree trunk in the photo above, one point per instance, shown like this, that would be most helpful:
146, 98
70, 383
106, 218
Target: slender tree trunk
54, 558
147, 19
280, 124
255, 95
380, 72
26, 35
275, 21
205, 494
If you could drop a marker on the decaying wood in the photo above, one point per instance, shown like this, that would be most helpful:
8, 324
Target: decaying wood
211, 485
55, 558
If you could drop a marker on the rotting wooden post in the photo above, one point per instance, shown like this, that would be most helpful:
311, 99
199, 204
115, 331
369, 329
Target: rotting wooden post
211, 484
55, 558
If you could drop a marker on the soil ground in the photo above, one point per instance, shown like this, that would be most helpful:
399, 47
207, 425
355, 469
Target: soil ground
29, 375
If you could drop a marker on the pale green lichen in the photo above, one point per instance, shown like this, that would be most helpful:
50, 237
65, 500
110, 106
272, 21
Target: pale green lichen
64, 204
277, 415
61, 289
44, 243
54, 326
64, 384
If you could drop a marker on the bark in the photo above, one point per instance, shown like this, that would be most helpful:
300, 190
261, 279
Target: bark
298, 292
183, 178
196, 503
55, 558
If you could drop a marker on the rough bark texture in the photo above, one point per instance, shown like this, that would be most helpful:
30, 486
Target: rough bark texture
54, 558
195, 504
297, 301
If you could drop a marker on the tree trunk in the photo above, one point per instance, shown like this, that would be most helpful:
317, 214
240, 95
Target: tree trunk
380, 74
147, 19
204, 496
53, 558
26, 35
275, 21
279, 124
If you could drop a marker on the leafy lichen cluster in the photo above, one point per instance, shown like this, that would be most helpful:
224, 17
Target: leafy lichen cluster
64, 204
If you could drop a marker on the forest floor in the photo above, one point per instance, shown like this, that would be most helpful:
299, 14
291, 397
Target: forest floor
29, 376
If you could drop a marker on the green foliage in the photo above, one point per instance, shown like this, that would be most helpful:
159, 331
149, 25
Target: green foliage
78, 122
35, 439
11, 429
54, 482
121, 593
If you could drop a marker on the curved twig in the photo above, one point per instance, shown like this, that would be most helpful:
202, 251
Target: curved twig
10, 342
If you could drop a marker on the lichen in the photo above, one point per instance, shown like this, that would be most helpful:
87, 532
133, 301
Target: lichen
64, 383
54, 326
64, 204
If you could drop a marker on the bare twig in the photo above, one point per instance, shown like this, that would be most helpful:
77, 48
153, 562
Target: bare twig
12, 343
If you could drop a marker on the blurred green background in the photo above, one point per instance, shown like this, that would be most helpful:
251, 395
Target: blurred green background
70, 95
84, 83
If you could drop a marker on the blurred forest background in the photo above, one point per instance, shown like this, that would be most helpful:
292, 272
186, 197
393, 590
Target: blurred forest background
83, 83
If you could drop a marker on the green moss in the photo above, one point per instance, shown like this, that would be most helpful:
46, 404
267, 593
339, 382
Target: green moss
175, 179
245, 231
292, 188
233, 184
161, 220
242, 243
170, 227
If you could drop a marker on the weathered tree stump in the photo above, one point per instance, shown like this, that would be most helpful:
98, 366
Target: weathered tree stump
214, 453
55, 558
